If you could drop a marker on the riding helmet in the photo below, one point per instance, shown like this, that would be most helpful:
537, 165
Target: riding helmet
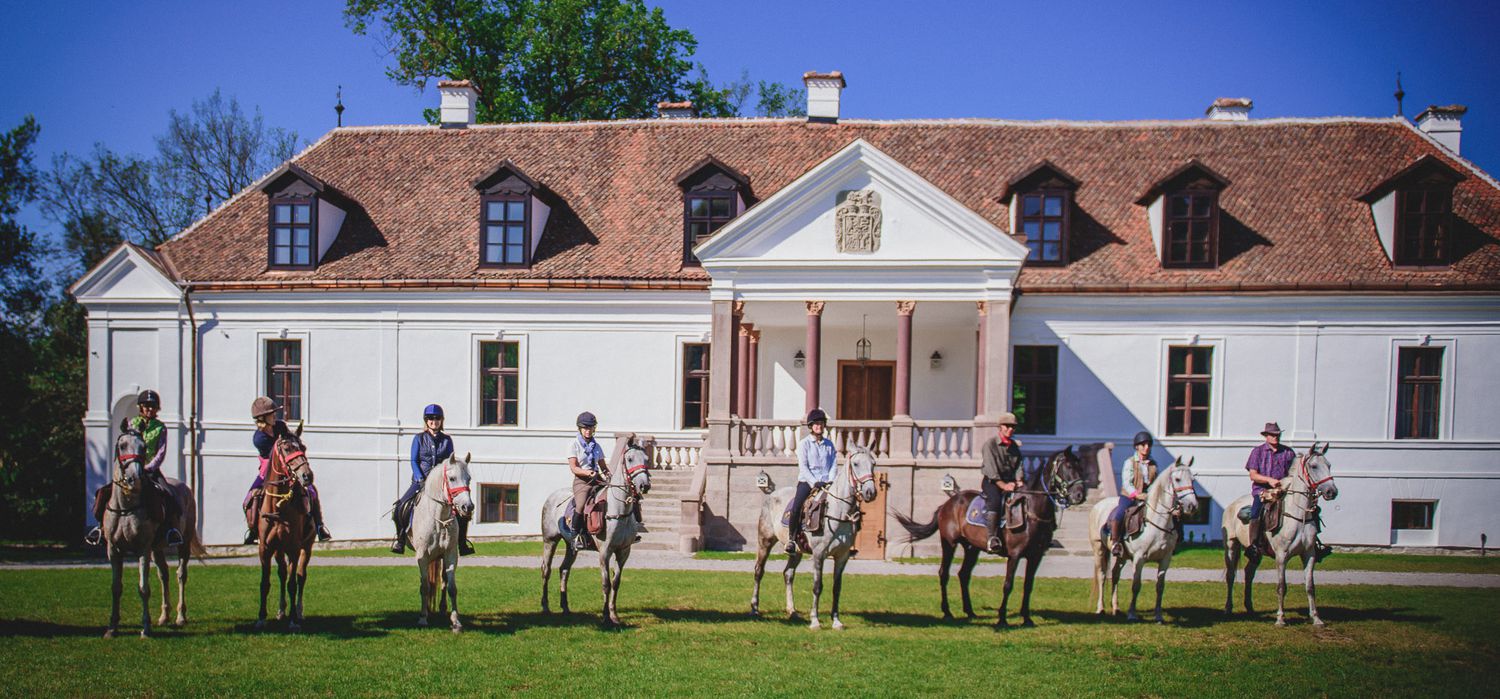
263, 406
1142, 437
149, 397
433, 410
587, 419
817, 415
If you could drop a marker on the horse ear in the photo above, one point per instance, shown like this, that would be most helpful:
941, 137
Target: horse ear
1190, 461
1324, 450
124, 425
298, 432
467, 457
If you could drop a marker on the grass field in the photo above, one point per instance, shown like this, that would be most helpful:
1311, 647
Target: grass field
688, 633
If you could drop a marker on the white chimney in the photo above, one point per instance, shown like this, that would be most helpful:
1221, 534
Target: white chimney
675, 110
457, 107
1230, 109
823, 95
1444, 124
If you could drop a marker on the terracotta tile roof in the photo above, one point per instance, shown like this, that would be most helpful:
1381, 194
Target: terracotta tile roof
1293, 219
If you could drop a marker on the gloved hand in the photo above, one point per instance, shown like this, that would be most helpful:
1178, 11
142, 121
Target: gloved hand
822, 484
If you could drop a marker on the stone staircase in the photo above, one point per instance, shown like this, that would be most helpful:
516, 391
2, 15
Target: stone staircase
661, 510
1072, 535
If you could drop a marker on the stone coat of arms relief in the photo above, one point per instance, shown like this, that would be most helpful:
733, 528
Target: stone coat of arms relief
857, 222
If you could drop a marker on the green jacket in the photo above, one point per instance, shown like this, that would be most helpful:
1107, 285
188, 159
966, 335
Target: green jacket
155, 435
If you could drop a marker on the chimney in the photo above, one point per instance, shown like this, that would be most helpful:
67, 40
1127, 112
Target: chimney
1230, 109
1444, 124
675, 110
823, 95
457, 107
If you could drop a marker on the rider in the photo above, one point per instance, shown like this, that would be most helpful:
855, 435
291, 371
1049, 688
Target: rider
267, 429
1000, 473
428, 449
154, 433
1268, 464
586, 461
1136, 476
815, 461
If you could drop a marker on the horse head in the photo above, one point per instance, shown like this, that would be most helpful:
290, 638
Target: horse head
862, 471
1065, 476
1183, 492
637, 466
459, 497
130, 447
1318, 472
292, 454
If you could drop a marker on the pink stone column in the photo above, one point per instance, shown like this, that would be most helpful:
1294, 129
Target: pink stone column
814, 347
753, 362
742, 374
904, 310
979, 357
736, 359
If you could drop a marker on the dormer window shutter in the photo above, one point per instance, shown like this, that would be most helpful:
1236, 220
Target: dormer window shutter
1041, 203
510, 217
1185, 216
712, 195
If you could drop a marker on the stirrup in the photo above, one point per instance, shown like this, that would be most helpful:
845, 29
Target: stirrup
994, 545
95, 537
399, 547
250, 537
464, 547
174, 537
323, 534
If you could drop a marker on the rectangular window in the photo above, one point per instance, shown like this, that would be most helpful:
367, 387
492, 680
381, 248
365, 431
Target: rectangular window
499, 383
694, 385
1426, 215
1192, 221
499, 503
1044, 220
284, 376
1419, 389
292, 233
1034, 392
503, 239
705, 213
1189, 383
1413, 514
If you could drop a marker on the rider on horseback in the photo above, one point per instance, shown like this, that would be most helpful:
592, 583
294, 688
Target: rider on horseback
815, 461
267, 430
1136, 476
1268, 464
586, 461
154, 433
428, 449
1000, 473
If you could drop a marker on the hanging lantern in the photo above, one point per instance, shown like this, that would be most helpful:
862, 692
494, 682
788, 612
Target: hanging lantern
862, 348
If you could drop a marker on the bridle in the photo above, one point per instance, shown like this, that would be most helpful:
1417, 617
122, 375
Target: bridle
632, 495
1307, 474
121, 461
1175, 510
1054, 486
282, 470
855, 481
450, 492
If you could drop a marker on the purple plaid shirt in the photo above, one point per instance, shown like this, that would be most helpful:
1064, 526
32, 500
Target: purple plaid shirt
1270, 462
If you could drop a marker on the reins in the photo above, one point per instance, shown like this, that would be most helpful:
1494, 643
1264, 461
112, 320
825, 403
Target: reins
632, 495
852, 502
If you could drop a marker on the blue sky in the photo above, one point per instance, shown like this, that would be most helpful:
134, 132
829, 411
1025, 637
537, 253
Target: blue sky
109, 72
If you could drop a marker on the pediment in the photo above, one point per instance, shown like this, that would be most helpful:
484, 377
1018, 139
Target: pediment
125, 274
860, 207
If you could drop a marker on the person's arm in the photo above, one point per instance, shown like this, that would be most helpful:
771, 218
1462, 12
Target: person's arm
1252, 466
161, 451
416, 464
804, 465
1127, 479
574, 466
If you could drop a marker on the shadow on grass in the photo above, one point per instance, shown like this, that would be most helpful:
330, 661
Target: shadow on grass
31, 628
332, 626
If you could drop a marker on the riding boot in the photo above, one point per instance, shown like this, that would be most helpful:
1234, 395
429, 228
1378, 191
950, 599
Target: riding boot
250, 534
992, 525
1116, 539
173, 511
1321, 550
793, 531
317, 516
464, 547
399, 545
581, 539
1253, 551
95, 536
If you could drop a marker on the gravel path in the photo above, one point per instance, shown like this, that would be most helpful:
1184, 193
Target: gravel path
1052, 567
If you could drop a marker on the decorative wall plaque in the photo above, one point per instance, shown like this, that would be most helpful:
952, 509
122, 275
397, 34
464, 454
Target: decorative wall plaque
857, 222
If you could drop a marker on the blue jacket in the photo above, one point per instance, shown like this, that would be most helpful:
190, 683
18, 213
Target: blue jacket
428, 451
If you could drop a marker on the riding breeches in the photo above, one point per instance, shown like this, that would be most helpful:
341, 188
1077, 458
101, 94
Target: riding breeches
994, 497
1118, 515
794, 522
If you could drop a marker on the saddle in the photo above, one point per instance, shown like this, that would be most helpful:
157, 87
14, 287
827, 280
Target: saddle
1270, 515
812, 513
595, 510
1135, 519
1015, 517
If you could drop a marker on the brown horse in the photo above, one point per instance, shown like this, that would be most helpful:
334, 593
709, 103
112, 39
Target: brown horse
1059, 482
284, 522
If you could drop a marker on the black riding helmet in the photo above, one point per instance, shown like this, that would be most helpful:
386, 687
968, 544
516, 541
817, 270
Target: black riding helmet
817, 415
587, 419
1142, 437
149, 397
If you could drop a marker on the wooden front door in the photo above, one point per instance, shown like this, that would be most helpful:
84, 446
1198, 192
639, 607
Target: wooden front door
870, 541
867, 390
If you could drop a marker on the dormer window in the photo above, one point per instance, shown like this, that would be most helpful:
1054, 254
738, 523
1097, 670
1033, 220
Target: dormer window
299, 206
292, 232
1184, 212
1413, 212
712, 195
1041, 200
511, 217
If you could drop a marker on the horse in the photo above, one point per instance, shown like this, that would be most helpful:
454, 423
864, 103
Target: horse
1170, 496
854, 476
1059, 483
285, 525
129, 526
627, 484
434, 535
1311, 478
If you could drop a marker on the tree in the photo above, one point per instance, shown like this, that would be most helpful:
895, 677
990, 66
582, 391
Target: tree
541, 60
22, 288
778, 100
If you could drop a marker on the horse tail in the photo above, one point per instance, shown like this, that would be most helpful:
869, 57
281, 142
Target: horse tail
915, 531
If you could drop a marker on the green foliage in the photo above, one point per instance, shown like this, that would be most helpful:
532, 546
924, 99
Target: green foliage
779, 100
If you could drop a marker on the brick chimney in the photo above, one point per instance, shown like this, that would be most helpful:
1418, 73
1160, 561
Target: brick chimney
1444, 124
675, 110
1230, 109
456, 110
823, 91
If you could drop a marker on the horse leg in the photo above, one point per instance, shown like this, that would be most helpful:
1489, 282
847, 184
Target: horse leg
1231, 565
299, 587
1161, 584
549, 548
145, 587
604, 580
1096, 587
281, 577
762, 552
450, 581
1114, 586
562, 576
164, 574
182, 575
424, 589
1281, 590
116, 586
265, 587
839, 561
1010, 580
1031, 564
614, 588
789, 575
965, 574
1308, 561
1135, 588
817, 590
943, 566
1250, 567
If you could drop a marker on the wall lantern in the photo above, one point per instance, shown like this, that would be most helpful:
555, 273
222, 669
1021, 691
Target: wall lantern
937, 359
950, 486
763, 481
799, 359
862, 347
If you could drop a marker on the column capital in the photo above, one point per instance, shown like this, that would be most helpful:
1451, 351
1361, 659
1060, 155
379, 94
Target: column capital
754, 337
983, 306
746, 329
739, 308
815, 308
906, 308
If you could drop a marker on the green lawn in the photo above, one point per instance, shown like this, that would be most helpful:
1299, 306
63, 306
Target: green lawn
1212, 558
688, 634
481, 548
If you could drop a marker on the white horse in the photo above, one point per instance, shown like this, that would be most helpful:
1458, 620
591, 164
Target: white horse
1170, 496
434, 535
855, 475
1311, 478
628, 482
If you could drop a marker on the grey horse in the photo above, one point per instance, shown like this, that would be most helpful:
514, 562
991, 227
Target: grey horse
1170, 496
854, 476
628, 482
434, 535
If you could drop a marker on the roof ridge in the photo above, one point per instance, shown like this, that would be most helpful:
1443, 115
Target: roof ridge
945, 121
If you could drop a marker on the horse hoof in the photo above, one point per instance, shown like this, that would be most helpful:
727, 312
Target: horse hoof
838, 626
145, 633
180, 622
1318, 623
1280, 623
947, 616
260, 624
1160, 621
161, 620
422, 623
109, 633
815, 625
458, 628
293, 627
1028, 624
754, 613
971, 615
281, 616
1132, 618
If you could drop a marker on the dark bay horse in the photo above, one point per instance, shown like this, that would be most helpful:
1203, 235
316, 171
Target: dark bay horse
1060, 482
285, 525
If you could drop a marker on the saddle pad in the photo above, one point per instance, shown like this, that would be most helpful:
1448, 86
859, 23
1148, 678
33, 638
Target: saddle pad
975, 514
812, 513
1135, 519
